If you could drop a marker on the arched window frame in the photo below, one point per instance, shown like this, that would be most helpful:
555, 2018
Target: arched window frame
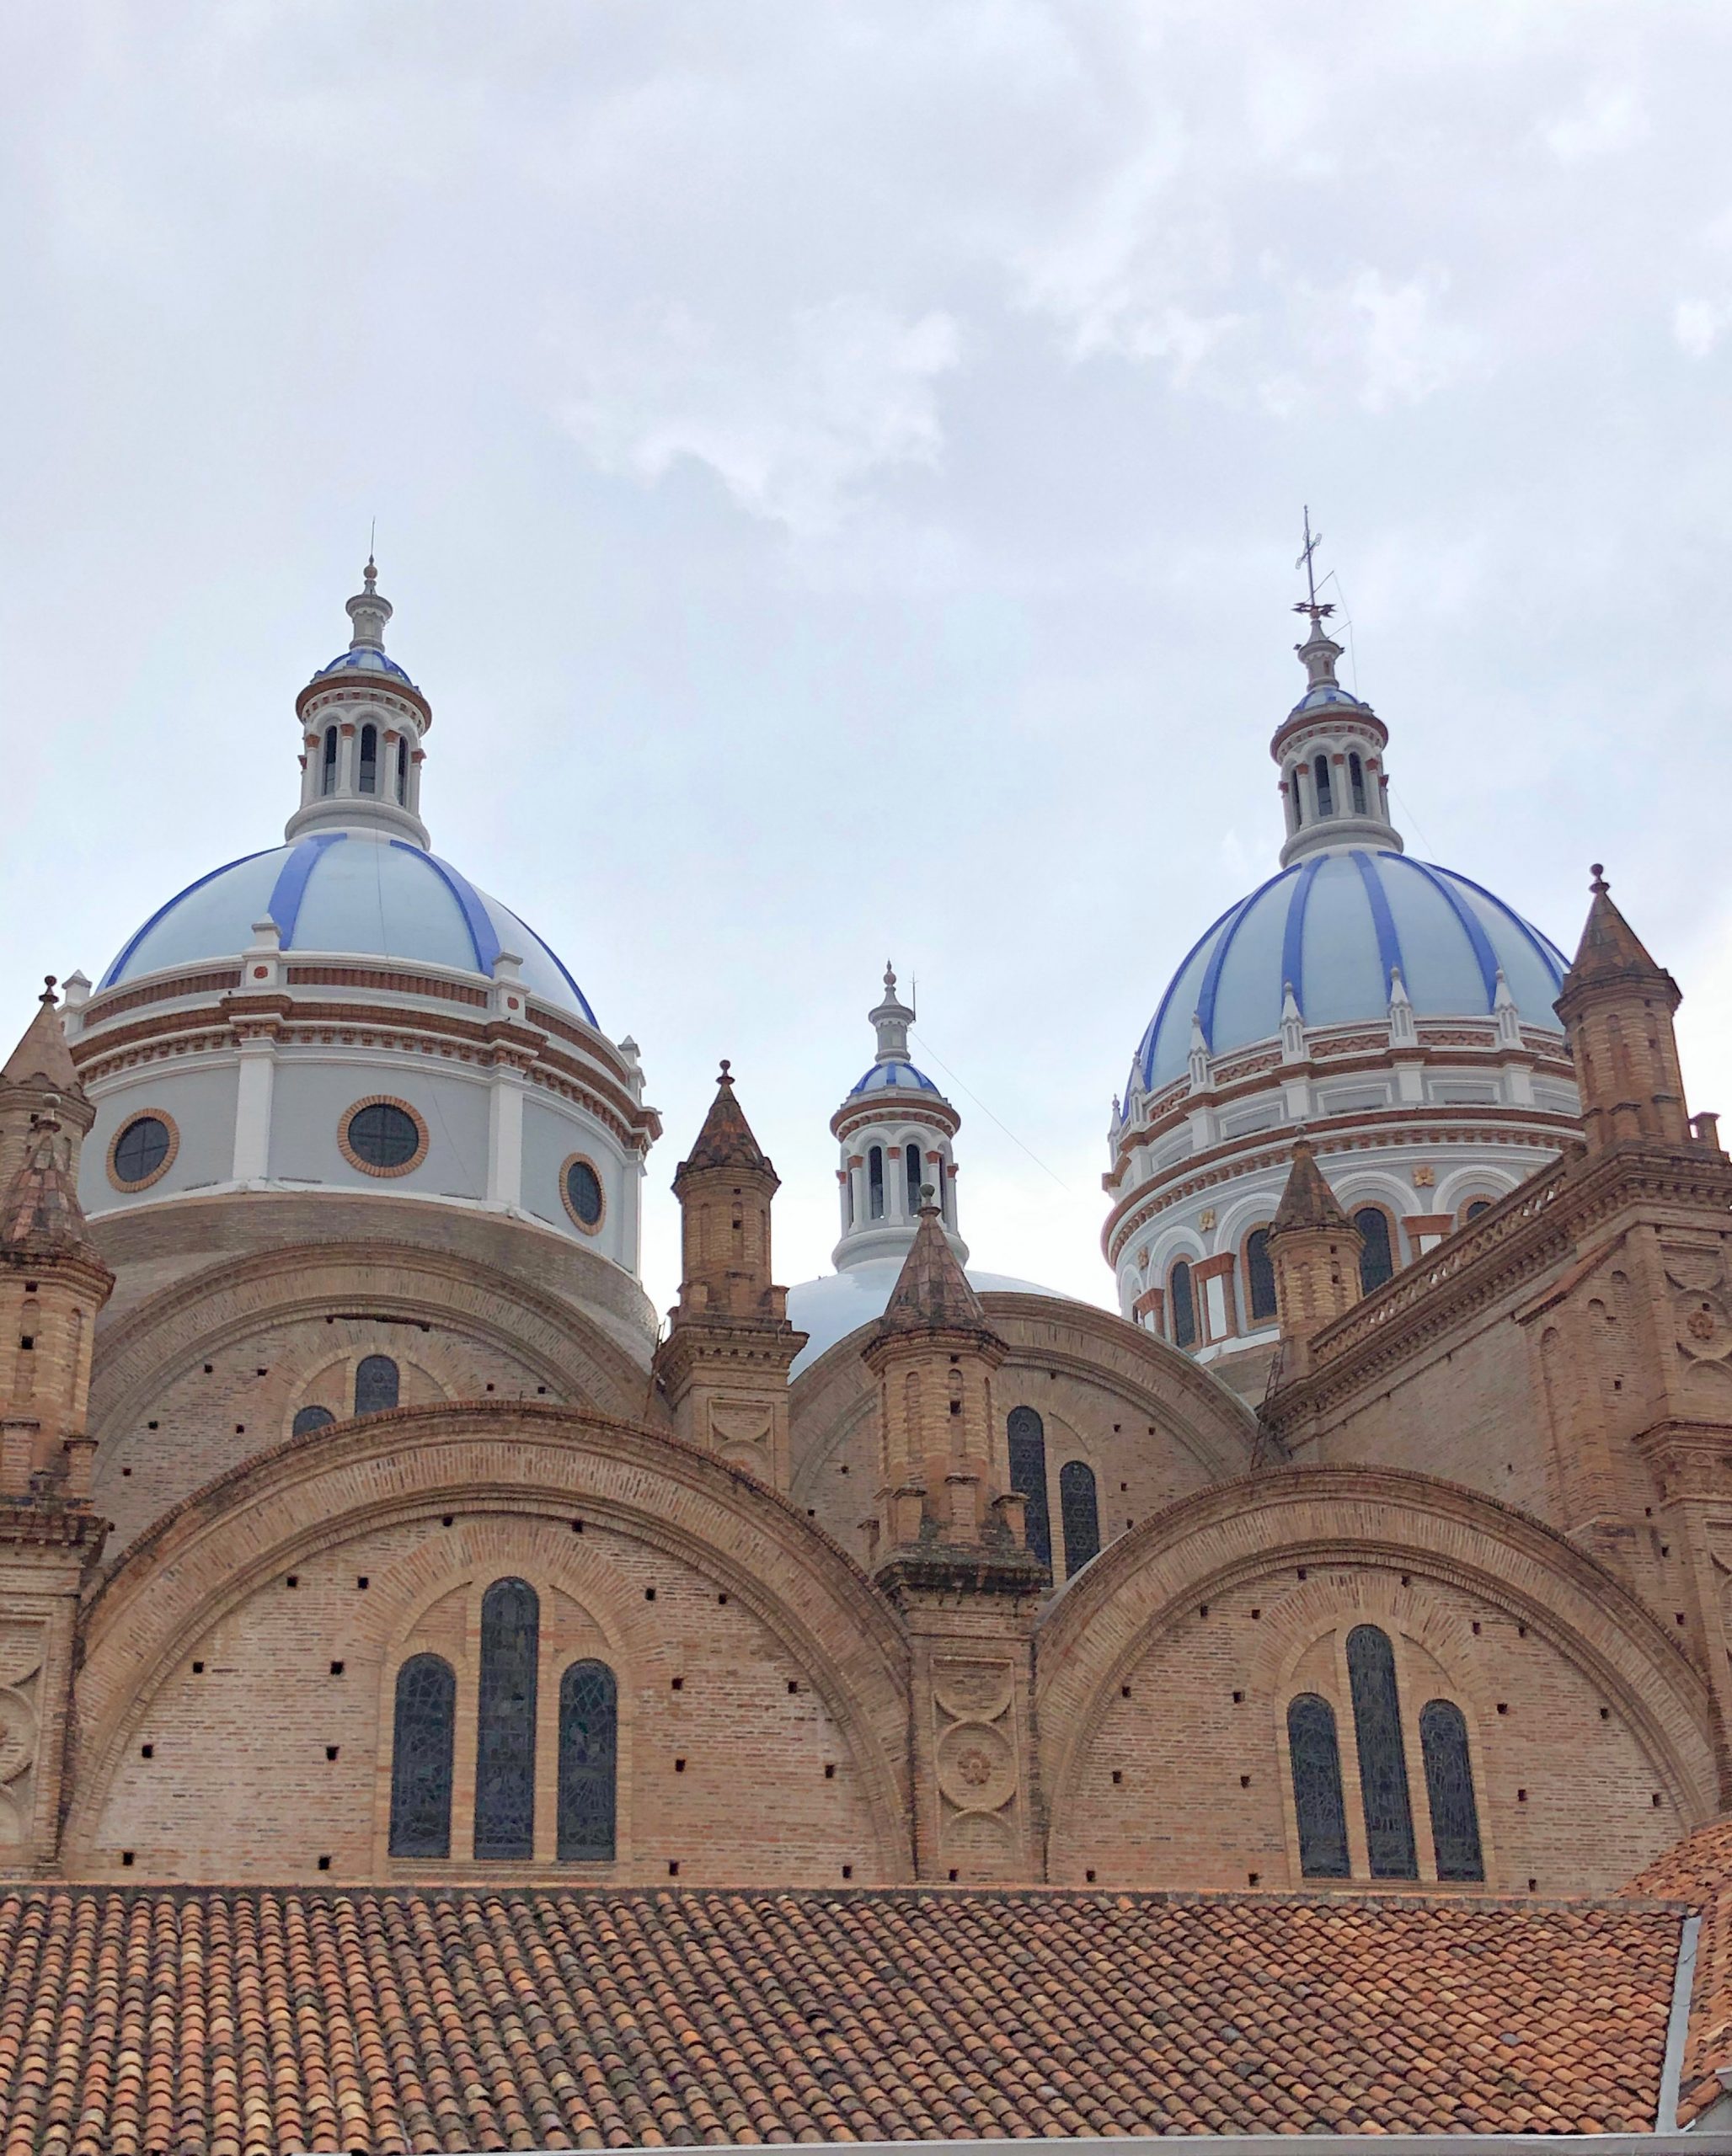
1254, 1274
401, 769
1356, 781
1447, 1752
914, 1173
309, 1418
588, 1785
1025, 1436
1380, 1742
874, 1182
507, 1733
1323, 780
1315, 1787
1182, 1312
1391, 1229
1298, 796
1079, 1514
367, 768
328, 762
423, 1757
375, 1376
1472, 1208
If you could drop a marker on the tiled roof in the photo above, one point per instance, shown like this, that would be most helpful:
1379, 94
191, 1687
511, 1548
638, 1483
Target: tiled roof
1698, 1871
227, 2022
726, 1139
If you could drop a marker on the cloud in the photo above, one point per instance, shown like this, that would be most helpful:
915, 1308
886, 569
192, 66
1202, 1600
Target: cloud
795, 428
1697, 325
1609, 118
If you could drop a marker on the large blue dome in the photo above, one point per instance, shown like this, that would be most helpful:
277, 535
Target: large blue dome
360, 893
1334, 925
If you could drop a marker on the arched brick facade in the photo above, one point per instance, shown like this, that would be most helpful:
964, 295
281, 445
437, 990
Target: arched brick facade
790, 1663
1163, 1678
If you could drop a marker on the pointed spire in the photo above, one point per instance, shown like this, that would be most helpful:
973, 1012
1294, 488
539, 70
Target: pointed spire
1198, 1058
892, 1018
1508, 1013
932, 1294
1610, 949
1307, 1201
369, 610
1402, 1031
1292, 1026
726, 1139
42, 1056
40, 1212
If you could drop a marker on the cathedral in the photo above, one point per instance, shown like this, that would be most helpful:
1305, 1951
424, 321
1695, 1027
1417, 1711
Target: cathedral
445, 1705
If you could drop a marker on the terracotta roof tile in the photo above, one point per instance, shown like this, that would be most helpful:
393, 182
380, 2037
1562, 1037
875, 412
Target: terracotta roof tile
240, 2022
1698, 1871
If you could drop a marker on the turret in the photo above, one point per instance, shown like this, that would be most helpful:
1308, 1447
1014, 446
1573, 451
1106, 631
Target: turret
894, 1129
724, 1365
1314, 1249
363, 722
1616, 1008
39, 1079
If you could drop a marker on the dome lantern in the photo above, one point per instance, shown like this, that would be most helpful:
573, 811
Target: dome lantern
363, 722
894, 1129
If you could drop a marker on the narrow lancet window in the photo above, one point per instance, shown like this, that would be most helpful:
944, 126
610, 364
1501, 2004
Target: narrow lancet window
1027, 1435
402, 769
1183, 1305
1383, 1755
1356, 775
1325, 797
423, 1728
369, 779
589, 1747
1377, 1261
328, 762
1449, 1789
874, 1183
1315, 1758
1260, 1275
504, 1747
911, 1162
1079, 1512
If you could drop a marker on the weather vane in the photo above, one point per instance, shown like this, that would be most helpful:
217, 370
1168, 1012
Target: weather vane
1319, 610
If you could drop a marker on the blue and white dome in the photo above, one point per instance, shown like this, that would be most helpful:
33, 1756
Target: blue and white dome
1335, 925
365, 659
892, 1077
358, 893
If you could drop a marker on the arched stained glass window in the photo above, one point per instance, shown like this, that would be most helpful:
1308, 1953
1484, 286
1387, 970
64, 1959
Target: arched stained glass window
874, 1182
309, 1419
423, 1728
1356, 775
1183, 1305
1383, 1756
911, 1158
1027, 1434
589, 1748
1449, 1788
1079, 1513
328, 762
1475, 1207
376, 1384
369, 777
1377, 1261
1260, 1275
505, 1745
1325, 797
1315, 1758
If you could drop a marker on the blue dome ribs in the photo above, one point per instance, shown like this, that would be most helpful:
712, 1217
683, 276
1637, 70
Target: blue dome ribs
483, 938
161, 913
292, 879
1293, 936
1217, 958
1484, 957
1382, 920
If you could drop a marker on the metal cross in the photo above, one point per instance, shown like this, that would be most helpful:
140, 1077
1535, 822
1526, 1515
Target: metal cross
1313, 539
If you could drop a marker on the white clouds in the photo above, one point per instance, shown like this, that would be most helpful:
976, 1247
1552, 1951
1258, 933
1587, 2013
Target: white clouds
791, 429
1610, 117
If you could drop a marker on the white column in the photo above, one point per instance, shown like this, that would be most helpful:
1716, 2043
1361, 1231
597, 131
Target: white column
504, 1138
252, 1109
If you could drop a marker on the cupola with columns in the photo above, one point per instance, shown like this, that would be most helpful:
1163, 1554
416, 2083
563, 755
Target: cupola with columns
1395, 1009
363, 724
895, 1129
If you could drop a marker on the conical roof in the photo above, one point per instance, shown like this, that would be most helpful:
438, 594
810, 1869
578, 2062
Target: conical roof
40, 1212
1610, 949
932, 1294
42, 1056
1307, 1201
725, 1141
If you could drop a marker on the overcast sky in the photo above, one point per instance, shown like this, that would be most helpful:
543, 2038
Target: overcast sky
839, 470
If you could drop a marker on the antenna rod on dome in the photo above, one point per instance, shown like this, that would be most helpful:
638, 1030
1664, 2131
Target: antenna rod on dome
1319, 610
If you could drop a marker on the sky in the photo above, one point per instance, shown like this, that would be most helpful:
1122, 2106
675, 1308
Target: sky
839, 472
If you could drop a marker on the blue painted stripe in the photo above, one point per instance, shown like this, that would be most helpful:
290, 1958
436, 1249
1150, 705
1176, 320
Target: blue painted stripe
1551, 957
119, 964
1293, 938
1145, 1055
583, 1001
1388, 943
482, 940
292, 881
1217, 959
1472, 927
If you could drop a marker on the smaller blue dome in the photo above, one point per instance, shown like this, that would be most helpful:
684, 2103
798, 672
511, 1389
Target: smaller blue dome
893, 1077
365, 659
1322, 697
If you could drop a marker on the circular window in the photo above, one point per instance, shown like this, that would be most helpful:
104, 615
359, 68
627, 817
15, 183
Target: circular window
580, 1187
383, 1138
143, 1150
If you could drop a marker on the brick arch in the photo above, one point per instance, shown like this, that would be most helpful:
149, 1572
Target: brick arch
196, 1318
1093, 1634
508, 1459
